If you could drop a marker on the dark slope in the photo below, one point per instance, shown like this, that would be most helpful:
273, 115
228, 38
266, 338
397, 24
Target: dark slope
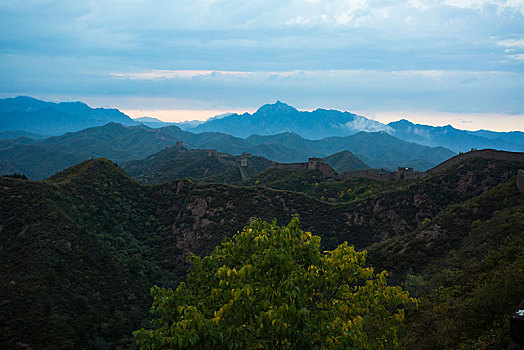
465, 264
19, 141
14, 134
276, 148
377, 149
72, 274
81, 249
381, 150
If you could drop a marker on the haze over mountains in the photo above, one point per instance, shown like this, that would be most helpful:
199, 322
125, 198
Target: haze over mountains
276, 131
279, 117
40, 159
48, 118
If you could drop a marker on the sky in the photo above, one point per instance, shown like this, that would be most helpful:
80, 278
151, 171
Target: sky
432, 61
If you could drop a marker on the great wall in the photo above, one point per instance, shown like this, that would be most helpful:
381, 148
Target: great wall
312, 164
402, 172
407, 173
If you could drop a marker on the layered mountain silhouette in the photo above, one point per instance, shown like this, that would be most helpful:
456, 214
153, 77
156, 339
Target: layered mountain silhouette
455, 139
38, 117
119, 143
279, 117
152, 122
47, 118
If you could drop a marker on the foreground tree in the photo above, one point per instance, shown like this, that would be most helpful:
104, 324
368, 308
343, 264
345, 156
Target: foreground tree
271, 287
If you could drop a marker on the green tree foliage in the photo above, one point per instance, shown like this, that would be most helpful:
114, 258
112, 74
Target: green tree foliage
272, 287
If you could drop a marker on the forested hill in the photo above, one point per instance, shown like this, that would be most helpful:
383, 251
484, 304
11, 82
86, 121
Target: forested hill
39, 159
80, 250
177, 162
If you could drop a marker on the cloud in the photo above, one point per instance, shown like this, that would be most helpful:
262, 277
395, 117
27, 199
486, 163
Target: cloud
156, 74
369, 125
519, 56
421, 54
513, 43
432, 74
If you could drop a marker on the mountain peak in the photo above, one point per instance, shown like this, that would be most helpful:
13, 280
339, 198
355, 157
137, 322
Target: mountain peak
277, 107
401, 122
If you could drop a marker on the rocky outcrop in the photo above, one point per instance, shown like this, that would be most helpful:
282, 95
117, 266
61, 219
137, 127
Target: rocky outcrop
520, 181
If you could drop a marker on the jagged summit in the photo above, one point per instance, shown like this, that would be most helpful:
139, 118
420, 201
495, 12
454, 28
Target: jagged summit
277, 107
402, 121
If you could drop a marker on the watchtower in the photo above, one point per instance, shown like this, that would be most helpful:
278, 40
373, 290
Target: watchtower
312, 163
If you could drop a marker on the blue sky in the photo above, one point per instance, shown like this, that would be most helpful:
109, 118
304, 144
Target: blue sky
448, 60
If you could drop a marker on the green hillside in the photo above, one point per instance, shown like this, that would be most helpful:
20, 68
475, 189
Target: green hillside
345, 161
177, 162
80, 250
466, 264
39, 159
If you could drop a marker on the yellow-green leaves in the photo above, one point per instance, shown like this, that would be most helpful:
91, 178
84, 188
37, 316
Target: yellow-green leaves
272, 287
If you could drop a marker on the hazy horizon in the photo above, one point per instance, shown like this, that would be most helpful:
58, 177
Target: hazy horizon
462, 121
433, 62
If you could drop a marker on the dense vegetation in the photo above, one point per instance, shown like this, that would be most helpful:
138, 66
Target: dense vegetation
344, 161
270, 287
467, 266
80, 251
315, 184
177, 162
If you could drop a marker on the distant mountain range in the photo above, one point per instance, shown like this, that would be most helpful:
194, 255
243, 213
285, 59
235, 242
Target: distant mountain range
39, 159
455, 139
47, 118
51, 119
344, 161
154, 122
279, 117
